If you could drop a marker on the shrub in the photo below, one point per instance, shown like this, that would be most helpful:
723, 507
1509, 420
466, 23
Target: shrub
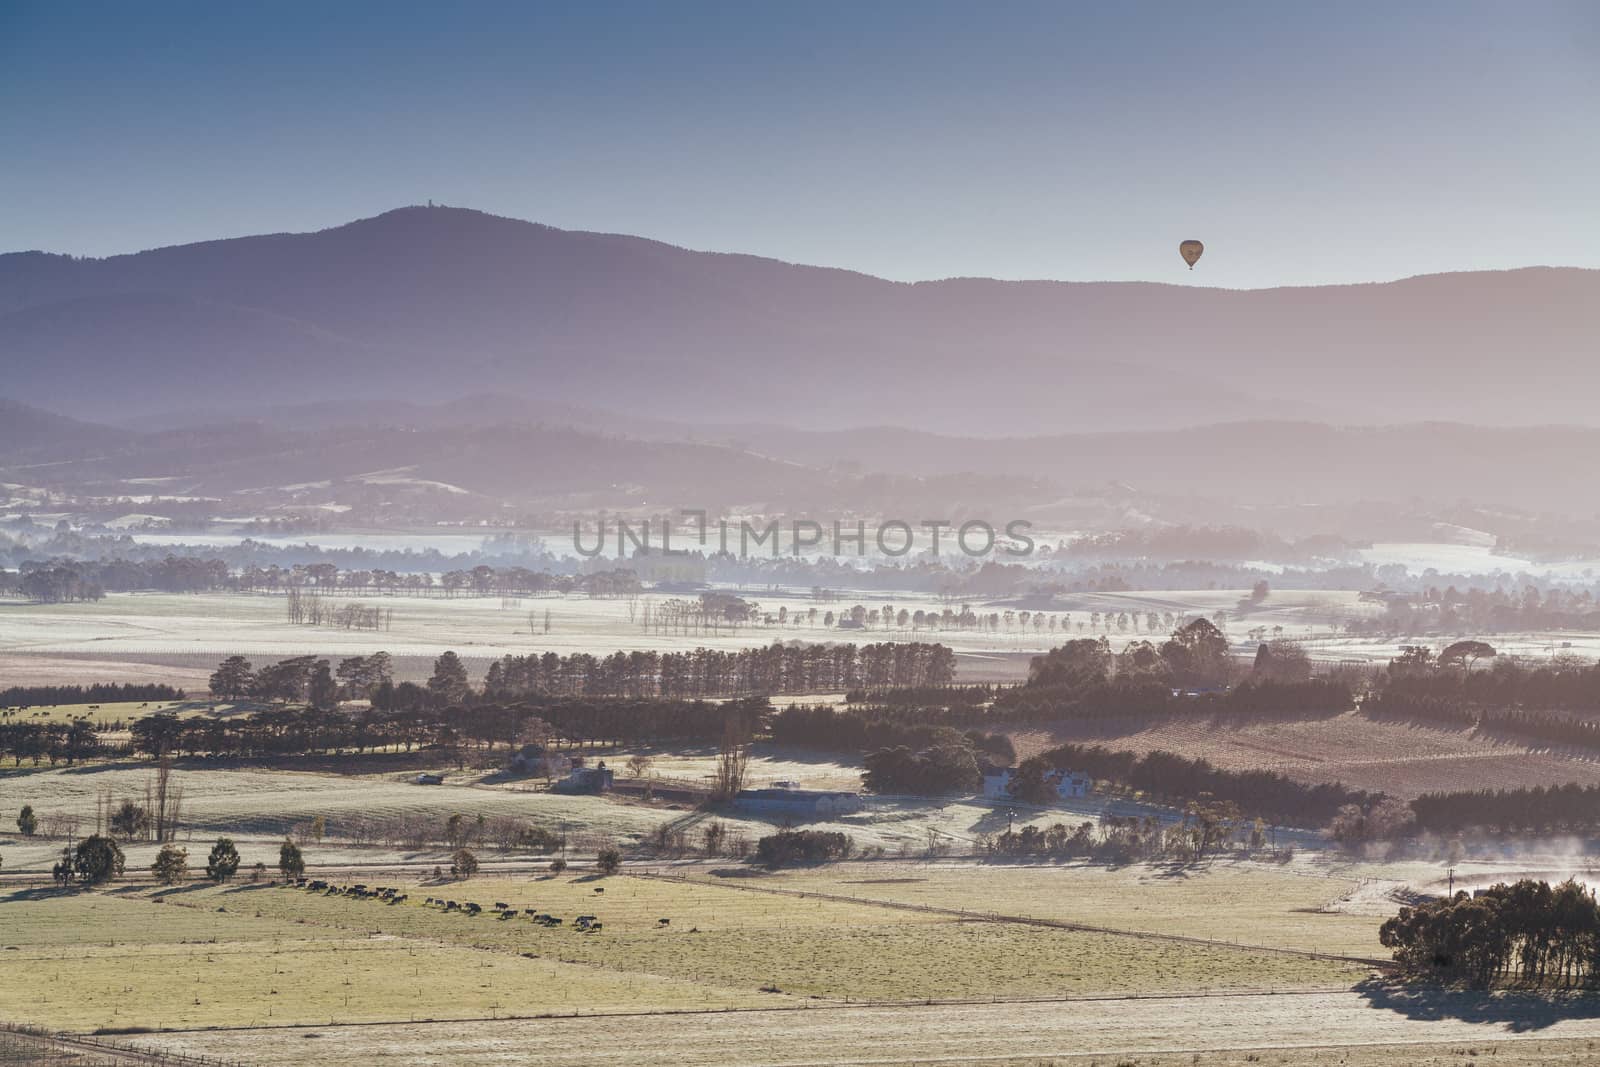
171, 865
609, 861
97, 859
802, 846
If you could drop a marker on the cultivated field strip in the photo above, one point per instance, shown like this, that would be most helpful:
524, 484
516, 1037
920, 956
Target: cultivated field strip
1370, 1027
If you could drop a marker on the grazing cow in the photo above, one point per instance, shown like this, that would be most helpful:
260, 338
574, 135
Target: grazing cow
450, 905
530, 913
595, 927
501, 907
663, 922
599, 889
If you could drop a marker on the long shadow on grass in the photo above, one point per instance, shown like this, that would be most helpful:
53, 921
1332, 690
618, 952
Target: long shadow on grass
99, 768
1514, 1011
39, 893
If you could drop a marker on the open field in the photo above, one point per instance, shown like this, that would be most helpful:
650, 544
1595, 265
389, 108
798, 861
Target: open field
178, 639
1367, 1027
261, 955
254, 625
1402, 759
138, 631
218, 957
1290, 906
126, 711
768, 764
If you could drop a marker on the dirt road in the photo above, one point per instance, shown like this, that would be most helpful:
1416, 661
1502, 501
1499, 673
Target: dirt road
1374, 1015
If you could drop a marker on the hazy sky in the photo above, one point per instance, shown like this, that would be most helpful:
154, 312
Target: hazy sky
1303, 142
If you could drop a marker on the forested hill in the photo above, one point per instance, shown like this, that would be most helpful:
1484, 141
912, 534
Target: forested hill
441, 303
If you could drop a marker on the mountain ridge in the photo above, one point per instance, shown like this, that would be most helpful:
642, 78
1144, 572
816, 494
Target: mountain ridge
423, 304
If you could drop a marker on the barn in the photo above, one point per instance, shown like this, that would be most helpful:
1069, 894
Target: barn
785, 801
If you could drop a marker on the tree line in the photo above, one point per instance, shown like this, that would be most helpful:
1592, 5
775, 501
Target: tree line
1548, 702
62, 580
1529, 932
704, 672
1177, 778
1488, 611
55, 742
1569, 808
453, 730
862, 729
1204, 830
1417, 675
25, 696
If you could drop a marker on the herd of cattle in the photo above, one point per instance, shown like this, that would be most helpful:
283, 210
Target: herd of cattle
588, 924
386, 894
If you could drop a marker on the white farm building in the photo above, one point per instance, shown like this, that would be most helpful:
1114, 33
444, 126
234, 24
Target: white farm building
1068, 784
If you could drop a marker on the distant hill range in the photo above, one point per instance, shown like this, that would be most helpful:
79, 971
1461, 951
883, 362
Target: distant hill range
423, 305
1271, 474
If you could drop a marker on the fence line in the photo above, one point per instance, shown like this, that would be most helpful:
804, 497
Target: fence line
100, 1043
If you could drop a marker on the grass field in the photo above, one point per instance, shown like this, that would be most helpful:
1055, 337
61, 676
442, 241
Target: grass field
123, 633
178, 639
1234, 901
246, 955
87, 961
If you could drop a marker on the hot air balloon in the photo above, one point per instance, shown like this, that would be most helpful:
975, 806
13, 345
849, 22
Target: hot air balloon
1190, 251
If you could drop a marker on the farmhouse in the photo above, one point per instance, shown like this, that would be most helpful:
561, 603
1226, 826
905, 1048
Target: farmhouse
538, 760
786, 800
1068, 784
596, 779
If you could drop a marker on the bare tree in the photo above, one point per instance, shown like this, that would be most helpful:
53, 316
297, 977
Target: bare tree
733, 761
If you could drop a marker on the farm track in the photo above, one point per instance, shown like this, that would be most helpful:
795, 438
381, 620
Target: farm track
1025, 920
1297, 1028
807, 1007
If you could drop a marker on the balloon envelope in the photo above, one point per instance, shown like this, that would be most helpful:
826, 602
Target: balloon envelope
1190, 251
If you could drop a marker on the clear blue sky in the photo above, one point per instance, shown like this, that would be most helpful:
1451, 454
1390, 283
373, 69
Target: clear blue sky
1303, 142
